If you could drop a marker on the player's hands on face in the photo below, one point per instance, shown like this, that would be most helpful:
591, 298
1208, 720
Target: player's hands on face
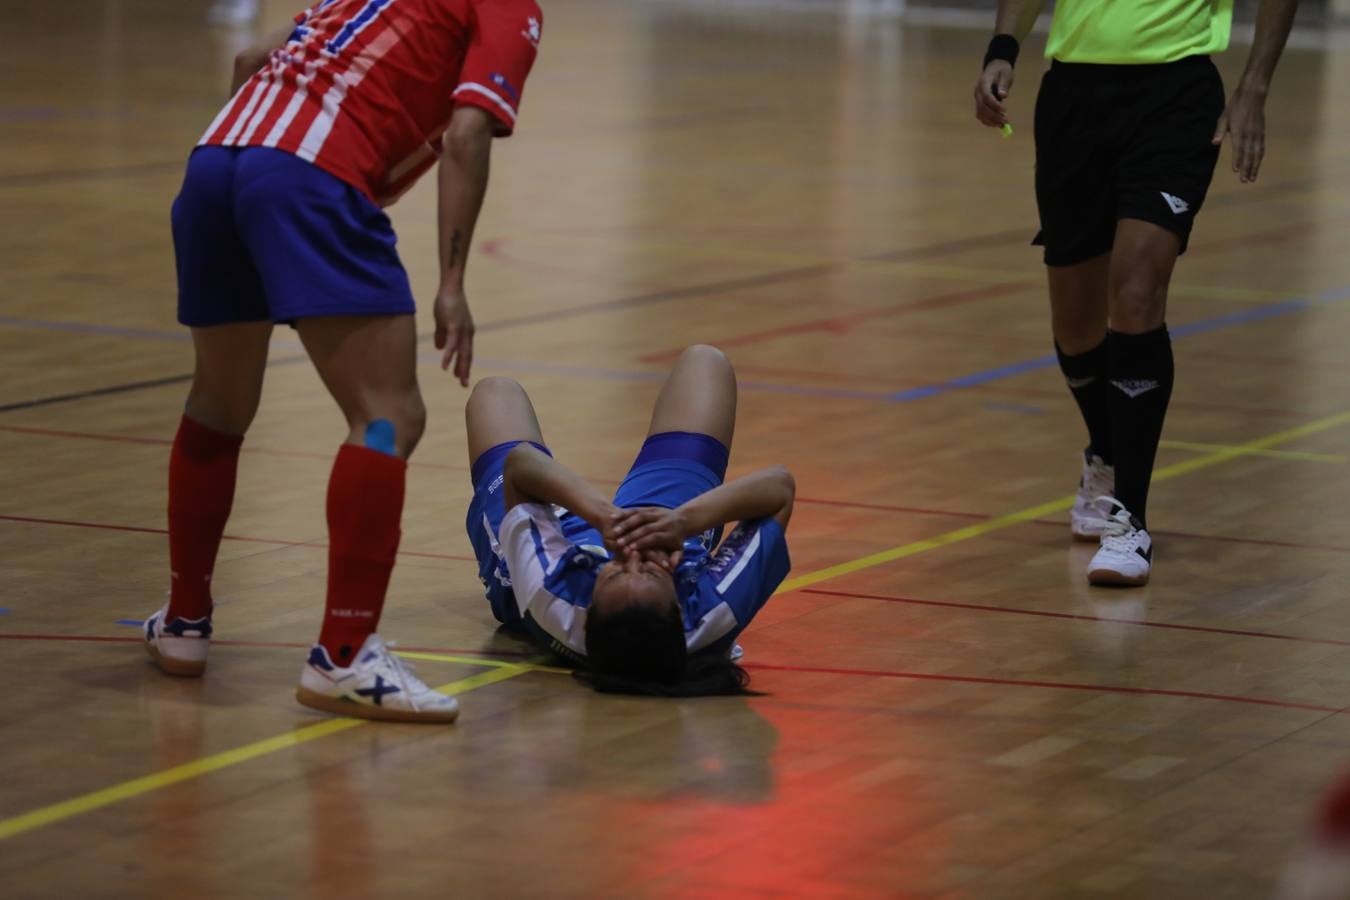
646, 527
992, 88
1245, 120
454, 332
662, 558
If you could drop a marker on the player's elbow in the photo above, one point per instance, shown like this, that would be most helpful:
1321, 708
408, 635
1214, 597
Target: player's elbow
785, 484
469, 135
248, 61
517, 458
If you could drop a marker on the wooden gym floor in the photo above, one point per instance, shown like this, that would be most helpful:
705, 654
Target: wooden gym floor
950, 710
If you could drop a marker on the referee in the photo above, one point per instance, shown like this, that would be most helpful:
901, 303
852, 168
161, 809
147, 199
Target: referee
1129, 122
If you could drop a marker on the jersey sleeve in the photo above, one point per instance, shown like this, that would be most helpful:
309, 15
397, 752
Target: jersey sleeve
502, 49
552, 578
747, 568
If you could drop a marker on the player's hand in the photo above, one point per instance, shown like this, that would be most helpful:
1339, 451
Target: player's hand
454, 332
1245, 121
992, 88
646, 527
666, 560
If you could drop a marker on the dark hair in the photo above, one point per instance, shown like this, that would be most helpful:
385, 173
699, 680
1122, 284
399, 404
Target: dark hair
638, 649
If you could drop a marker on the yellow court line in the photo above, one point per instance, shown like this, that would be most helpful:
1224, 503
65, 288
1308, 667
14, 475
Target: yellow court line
478, 661
1175, 470
76, 806
501, 671
1273, 454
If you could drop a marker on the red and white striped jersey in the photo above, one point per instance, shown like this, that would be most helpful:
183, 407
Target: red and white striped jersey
364, 89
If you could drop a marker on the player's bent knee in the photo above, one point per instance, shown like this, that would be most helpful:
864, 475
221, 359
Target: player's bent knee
494, 388
414, 422
394, 429
707, 355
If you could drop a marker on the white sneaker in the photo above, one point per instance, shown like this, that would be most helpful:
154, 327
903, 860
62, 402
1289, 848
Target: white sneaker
1086, 520
377, 685
178, 646
1126, 554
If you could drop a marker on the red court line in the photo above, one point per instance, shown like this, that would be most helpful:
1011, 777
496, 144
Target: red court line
841, 324
1060, 685
1144, 623
164, 442
815, 670
280, 542
269, 645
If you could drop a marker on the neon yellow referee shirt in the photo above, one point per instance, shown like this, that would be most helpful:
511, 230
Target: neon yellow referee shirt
1138, 32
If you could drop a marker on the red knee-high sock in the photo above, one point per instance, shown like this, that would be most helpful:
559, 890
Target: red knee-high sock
365, 505
202, 468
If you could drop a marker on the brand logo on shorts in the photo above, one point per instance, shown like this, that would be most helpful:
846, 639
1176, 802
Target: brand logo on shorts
532, 31
1176, 204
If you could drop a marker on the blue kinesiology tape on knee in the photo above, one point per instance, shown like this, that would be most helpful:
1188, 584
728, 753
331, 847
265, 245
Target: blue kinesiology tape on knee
380, 436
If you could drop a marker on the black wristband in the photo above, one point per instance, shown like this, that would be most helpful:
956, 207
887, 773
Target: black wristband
1002, 46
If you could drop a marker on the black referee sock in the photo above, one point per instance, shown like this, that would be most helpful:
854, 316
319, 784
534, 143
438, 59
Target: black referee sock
1086, 376
1139, 369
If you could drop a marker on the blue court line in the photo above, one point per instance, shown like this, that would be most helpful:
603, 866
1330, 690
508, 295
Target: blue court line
974, 379
1242, 317
657, 377
4, 610
134, 622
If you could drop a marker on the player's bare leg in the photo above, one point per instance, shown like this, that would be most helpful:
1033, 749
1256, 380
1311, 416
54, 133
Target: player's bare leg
369, 364
699, 396
498, 412
228, 377
1140, 372
226, 386
1078, 309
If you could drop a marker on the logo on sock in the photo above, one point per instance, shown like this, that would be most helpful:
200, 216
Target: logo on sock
1176, 204
1135, 388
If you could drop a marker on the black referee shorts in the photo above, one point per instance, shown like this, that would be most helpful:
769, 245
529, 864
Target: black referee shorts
1122, 142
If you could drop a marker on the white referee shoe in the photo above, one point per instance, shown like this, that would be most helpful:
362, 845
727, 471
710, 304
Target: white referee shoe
1125, 556
1086, 520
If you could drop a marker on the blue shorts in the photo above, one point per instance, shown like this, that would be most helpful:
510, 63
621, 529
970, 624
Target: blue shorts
672, 468
261, 235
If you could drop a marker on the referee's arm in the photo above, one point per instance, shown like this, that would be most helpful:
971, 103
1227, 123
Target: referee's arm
1245, 117
1014, 22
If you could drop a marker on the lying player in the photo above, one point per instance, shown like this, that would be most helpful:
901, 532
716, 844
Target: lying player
636, 589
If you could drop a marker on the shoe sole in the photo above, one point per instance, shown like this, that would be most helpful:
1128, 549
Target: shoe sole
182, 668
1110, 577
344, 707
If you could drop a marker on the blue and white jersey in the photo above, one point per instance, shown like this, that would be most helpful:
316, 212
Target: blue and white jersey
553, 577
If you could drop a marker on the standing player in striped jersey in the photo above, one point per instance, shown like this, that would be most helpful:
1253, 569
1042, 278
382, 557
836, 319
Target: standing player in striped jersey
279, 220
637, 588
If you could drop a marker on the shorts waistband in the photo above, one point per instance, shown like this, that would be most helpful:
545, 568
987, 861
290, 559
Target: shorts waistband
1135, 70
704, 449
